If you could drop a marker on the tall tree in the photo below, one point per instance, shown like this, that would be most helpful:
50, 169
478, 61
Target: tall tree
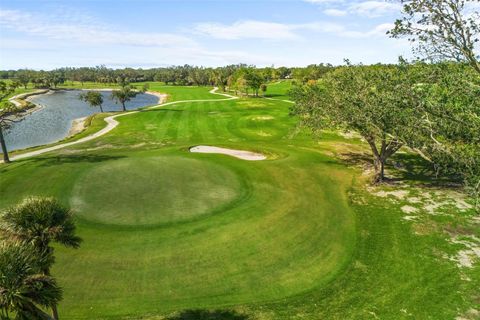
93, 98
123, 95
448, 133
23, 77
442, 29
8, 115
448, 30
254, 80
24, 289
39, 222
375, 101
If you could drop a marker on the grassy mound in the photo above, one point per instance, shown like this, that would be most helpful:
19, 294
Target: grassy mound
147, 191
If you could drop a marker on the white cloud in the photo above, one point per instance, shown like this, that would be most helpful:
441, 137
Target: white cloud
374, 8
278, 31
84, 30
378, 31
335, 12
74, 39
371, 9
247, 30
71, 33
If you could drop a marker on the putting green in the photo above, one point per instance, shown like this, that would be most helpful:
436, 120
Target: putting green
146, 191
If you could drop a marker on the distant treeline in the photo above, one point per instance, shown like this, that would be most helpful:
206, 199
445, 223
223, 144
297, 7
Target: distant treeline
231, 76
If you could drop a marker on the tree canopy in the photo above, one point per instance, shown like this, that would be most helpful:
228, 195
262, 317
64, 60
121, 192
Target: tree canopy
375, 101
441, 29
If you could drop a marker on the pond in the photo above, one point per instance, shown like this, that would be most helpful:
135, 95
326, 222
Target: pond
54, 120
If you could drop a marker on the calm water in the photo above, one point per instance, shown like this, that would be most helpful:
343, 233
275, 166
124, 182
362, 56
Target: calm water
54, 120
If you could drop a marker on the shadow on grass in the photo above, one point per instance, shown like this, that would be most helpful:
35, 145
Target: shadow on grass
356, 159
405, 167
273, 95
77, 158
415, 168
209, 315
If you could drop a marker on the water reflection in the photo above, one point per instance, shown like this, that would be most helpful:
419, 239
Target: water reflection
54, 120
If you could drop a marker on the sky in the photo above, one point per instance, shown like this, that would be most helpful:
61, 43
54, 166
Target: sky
46, 34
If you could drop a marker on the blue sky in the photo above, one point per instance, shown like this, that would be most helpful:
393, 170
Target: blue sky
153, 33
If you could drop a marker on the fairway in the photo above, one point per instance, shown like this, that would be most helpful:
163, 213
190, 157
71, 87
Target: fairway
165, 230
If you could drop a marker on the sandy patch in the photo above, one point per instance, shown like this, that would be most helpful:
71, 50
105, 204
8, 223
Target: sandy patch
399, 194
471, 314
263, 118
78, 125
162, 98
240, 154
414, 200
264, 134
468, 256
409, 209
349, 135
18, 99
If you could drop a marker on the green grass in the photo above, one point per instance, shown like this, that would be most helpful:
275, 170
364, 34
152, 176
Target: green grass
279, 90
169, 189
175, 92
293, 237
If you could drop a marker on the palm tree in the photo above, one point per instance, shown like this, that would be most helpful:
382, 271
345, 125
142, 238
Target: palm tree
93, 98
126, 93
24, 289
40, 221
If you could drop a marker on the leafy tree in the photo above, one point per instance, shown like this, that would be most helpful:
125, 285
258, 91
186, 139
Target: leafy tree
220, 78
311, 72
263, 88
24, 288
23, 77
374, 101
93, 98
254, 80
54, 78
448, 133
125, 94
448, 30
8, 115
441, 29
39, 222
241, 85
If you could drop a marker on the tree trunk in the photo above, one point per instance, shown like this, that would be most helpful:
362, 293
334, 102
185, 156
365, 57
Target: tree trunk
54, 312
123, 106
379, 165
6, 159
101, 109
380, 156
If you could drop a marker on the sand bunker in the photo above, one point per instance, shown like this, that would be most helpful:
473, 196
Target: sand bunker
240, 154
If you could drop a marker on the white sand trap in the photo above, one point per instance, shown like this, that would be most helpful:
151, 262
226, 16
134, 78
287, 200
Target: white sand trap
240, 154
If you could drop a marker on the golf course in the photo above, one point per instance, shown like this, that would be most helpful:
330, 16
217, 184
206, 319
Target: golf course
300, 233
